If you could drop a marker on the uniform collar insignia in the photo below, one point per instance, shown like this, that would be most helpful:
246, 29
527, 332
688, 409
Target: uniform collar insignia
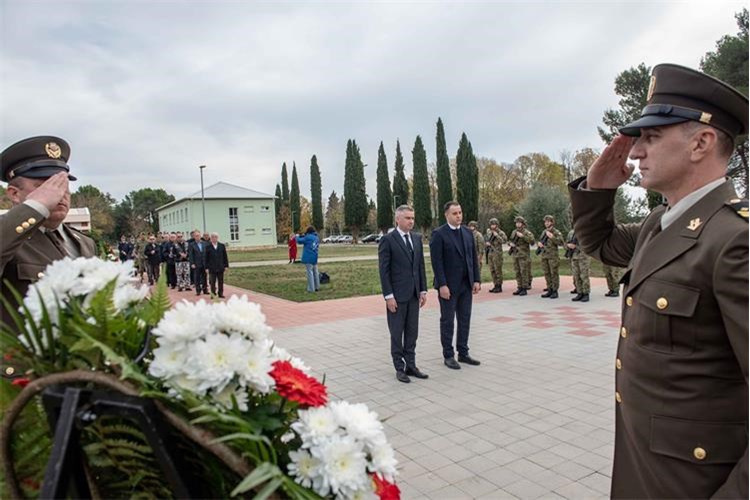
694, 224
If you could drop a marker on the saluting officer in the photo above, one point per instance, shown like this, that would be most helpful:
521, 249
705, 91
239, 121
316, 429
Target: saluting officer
32, 234
495, 238
681, 417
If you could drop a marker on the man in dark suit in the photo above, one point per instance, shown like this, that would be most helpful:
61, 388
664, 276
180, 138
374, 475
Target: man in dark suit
681, 371
152, 254
404, 284
454, 263
196, 250
215, 261
32, 233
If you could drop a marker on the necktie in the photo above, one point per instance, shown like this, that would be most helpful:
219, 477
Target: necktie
408, 244
57, 240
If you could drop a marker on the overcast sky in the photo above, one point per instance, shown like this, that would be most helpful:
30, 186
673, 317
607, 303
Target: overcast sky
146, 91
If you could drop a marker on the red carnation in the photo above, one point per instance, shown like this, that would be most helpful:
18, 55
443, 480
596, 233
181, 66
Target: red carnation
294, 385
384, 489
21, 382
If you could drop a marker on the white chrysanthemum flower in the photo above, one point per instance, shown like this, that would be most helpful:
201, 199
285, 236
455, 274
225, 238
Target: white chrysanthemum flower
224, 398
185, 322
287, 437
281, 354
359, 422
124, 296
383, 461
366, 494
169, 360
315, 424
240, 315
95, 274
343, 464
254, 367
305, 469
183, 382
213, 361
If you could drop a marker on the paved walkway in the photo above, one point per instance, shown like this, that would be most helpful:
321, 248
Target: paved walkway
535, 420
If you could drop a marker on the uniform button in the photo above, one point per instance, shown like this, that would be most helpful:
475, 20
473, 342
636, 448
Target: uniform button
32, 221
25, 225
19, 229
618, 398
629, 301
40, 275
10, 370
618, 364
623, 332
699, 453
661, 303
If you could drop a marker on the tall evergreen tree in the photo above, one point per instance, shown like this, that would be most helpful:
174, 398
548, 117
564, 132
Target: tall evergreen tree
467, 180
445, 188
284, 184
400, 186
355, 207
385, 196
316, 193
421, 185
277, 201
294, 201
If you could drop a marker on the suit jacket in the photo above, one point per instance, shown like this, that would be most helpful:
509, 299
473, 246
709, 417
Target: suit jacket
195, 254
215, 260
25, 251
681, 372
450, 261
152, 253
400, 274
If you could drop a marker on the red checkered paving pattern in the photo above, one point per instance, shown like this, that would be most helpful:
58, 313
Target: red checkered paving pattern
573, 320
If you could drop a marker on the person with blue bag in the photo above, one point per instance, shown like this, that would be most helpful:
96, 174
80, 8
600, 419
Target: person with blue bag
311, 244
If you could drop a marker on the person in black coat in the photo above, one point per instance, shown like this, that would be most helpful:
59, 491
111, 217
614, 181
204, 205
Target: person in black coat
196, 249
454, 263
215, 261
125, 248
404, 285
152, 252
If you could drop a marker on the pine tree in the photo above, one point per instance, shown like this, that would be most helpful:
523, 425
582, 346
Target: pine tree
422, 212
284, 184
277, 201
385, 196
467, 180
294, 201
316, 194
355, 207
445, 188
400, 186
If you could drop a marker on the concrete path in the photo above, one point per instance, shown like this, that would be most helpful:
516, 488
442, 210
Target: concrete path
535, 420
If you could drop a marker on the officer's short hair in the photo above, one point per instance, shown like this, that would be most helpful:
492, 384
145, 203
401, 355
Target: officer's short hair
450, 204
403, 208
724, 143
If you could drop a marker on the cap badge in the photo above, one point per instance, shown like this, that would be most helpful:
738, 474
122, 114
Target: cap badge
705, 118
694, 224
651, 86
53, 150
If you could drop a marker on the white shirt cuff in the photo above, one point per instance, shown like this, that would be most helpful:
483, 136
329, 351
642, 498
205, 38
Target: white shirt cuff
388, 297
38, 207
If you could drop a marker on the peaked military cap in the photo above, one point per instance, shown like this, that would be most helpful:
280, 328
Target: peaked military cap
678, 94
36, 157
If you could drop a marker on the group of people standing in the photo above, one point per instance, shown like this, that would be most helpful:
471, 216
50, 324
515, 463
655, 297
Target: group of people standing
199, 262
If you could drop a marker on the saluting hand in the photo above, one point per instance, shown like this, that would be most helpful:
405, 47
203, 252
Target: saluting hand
51, 191
611, 169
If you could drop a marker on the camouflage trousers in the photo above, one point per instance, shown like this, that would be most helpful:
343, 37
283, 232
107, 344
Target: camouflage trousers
613, 276
580, 268
522, 267
551, 268
496, 267
480, 262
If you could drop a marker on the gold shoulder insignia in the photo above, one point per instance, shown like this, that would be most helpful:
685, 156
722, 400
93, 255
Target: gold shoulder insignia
740, 206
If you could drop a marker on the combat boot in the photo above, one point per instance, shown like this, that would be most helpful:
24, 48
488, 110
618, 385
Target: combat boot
522, 292
577, 297
553, 294
584, 297
546, 294
518, 291
574, 291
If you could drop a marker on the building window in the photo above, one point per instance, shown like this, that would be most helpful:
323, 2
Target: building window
265, 208
250, 231
266, 230
249, 209
234, 225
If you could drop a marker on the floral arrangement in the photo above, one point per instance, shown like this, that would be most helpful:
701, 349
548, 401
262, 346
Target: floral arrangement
211, 366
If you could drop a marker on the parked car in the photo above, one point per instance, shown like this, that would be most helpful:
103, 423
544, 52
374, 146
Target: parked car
329, 239
370, 238
346, 239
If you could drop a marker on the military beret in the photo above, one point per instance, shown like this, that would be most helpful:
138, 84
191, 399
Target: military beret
35, 157
520, 219
678, 94
549, 217
494, 221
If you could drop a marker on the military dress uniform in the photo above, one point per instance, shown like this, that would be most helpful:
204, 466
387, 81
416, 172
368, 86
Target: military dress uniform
551, 259
495, 240
681, 370
580, 267
522, 257
26, 247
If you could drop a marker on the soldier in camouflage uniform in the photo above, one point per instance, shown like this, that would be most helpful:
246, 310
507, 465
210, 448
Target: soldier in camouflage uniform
495, 238
520, 243
548, 244
478, 243
141, 264
613, 280
580, 265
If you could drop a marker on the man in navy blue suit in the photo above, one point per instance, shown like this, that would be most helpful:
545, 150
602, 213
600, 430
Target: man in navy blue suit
404, 284
454, 262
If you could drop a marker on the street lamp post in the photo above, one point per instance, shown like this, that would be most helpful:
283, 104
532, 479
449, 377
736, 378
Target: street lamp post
203, 199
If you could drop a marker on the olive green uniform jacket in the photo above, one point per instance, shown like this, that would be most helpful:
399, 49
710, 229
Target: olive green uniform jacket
681, 372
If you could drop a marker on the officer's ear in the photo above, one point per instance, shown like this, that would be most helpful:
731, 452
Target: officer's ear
14, 192
703, 141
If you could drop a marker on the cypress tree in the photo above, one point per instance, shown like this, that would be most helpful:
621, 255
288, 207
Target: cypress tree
316, 193
445, 188
467, 180
284, 184
422, 211
355, 206
277, 202
400, 186
385, 196
294, 201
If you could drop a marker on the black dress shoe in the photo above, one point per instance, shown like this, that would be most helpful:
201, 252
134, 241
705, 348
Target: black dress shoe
553, 294
414, 372
522, 292
452, 364
403, 377
468, 360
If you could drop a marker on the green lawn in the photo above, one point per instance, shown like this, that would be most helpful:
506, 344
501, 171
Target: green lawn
281, 252
353, 279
